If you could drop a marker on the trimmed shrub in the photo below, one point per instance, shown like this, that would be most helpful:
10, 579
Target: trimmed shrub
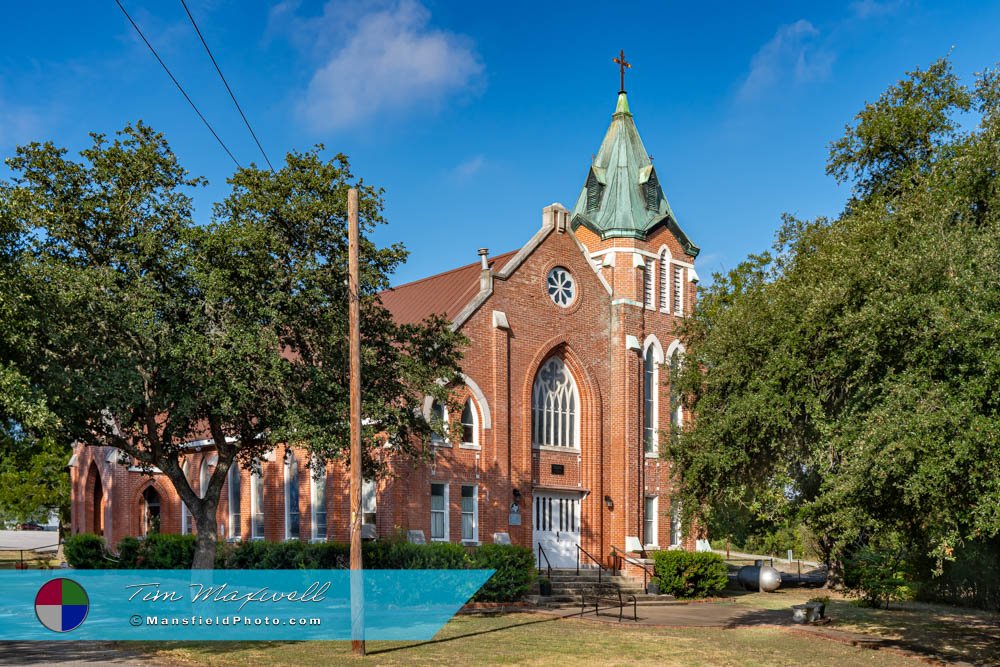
164, 551
87, 551
128, 553
514, 565
399, 555
514, 576
684, 574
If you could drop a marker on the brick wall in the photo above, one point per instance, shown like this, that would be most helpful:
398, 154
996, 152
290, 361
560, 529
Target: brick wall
590, 336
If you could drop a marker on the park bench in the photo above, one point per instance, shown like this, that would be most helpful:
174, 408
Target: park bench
610, 595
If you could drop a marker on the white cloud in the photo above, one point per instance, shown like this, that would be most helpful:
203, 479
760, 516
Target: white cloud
793, 55
379, 58
469, 168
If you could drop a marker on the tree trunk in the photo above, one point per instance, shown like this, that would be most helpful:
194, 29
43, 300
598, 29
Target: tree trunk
204, 550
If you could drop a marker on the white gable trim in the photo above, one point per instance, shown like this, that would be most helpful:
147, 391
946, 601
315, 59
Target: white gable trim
548, 226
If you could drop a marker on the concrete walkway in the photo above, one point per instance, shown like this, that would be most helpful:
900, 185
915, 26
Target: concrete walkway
70, 653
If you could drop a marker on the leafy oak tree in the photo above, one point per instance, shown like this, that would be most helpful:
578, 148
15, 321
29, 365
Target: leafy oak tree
151, 331
33, 479
854, 372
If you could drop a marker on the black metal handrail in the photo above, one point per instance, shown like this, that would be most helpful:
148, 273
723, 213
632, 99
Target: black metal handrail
586, 553
621, 554
541, 555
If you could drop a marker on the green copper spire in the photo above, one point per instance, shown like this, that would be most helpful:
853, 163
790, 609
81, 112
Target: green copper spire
621, 197
622, 104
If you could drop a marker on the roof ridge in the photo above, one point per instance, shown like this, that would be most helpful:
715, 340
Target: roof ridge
445, 273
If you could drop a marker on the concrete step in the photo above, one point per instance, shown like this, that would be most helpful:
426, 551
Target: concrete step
588, 577
575, 606
616, 582
565, 590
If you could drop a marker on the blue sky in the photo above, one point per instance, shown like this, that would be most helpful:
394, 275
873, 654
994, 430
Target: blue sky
473, 116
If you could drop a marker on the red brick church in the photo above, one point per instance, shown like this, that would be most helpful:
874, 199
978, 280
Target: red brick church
564, 403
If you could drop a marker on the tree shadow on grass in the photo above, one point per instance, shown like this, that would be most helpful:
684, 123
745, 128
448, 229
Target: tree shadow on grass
938, 631
466, 635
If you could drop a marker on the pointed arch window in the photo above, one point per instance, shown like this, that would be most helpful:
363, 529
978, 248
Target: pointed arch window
676, 409
235, 529
649, 402
318, 503
186, 518
257, 501
555, 419
439, 422
151, 511
291, 497
203, 478
470, 425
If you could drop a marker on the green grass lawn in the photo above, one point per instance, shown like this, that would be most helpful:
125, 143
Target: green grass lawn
536, 639
951, 633
9, 558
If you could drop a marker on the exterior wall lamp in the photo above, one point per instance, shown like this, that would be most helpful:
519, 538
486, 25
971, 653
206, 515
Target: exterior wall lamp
609, 503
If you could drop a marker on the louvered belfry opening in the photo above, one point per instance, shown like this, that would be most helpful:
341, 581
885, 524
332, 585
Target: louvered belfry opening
652, 192
594, 191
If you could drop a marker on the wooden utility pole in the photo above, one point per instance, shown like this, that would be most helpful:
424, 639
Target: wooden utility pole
354, 320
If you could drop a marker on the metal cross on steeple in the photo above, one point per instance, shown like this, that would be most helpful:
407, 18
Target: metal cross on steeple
622, 65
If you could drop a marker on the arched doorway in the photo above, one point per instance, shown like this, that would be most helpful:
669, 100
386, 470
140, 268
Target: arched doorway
94, 502
150, 511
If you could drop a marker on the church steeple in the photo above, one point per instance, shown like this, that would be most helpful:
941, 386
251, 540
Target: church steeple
622, 197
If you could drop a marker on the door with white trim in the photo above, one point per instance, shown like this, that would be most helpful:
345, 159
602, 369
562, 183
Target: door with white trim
556, 527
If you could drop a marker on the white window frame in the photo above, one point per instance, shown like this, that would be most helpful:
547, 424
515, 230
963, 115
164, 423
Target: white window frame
542, 432
290, 461
235, 518
256, 499
436, 439
317, 482
654, 519
474, 540
664, 280
677, 276
369, 501
676, 525
473, 408
447, 525
649, 284
203, 477
186, 515
676, 411
654, 353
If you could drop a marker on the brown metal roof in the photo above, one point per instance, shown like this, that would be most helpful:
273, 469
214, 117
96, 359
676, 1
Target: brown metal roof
443, 294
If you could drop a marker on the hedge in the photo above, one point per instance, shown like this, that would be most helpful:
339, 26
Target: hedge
87, 551
514, 576
685, 574
514, 565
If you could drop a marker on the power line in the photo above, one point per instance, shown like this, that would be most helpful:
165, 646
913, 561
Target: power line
179, 86
217, 69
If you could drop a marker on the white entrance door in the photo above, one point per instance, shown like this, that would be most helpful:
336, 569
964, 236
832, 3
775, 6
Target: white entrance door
556, 528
